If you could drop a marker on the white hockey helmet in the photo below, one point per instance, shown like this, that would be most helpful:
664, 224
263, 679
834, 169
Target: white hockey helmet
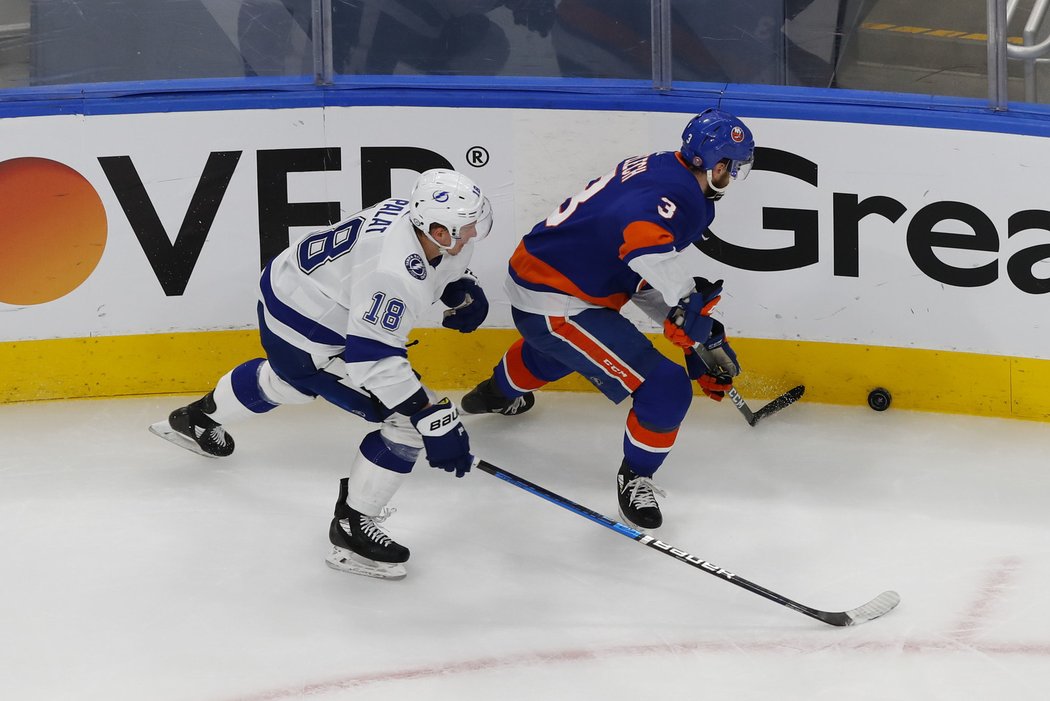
451, 199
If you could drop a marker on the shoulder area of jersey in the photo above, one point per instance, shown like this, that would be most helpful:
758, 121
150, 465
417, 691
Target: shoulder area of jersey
658, 163
382, 215
400, 253
663, 172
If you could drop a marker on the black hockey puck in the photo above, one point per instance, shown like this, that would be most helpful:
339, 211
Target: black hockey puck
879, 399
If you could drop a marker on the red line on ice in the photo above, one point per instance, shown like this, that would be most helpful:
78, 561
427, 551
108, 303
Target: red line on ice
796, 646
996, 581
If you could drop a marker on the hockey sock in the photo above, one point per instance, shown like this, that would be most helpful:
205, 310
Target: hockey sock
375, 476
660, 406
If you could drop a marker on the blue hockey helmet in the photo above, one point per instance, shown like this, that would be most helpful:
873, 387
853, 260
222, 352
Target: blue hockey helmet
713, 136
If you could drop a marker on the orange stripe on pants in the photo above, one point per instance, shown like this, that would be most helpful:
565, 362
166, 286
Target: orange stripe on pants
517, 374
598, 354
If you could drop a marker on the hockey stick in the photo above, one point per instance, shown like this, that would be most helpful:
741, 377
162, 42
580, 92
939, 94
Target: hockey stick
880, 605
753, 417
714, 362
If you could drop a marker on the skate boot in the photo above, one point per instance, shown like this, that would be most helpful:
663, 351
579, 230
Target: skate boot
191, 428
637, 497
487, 399
360, 546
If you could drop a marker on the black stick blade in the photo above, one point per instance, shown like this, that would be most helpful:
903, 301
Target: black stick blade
879, 606
785, 400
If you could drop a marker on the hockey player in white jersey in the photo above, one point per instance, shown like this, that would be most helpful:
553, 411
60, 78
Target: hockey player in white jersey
335, 311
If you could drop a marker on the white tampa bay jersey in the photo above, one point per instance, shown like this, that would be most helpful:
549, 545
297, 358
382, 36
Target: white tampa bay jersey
355, 290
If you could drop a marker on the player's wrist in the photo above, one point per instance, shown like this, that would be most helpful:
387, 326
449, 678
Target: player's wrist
414, 404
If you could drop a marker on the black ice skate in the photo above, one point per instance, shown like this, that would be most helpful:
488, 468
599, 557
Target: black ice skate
637, 497
487, 399
361, 546
191, 428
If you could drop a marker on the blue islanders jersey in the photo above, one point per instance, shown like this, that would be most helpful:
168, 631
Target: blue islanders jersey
600, 244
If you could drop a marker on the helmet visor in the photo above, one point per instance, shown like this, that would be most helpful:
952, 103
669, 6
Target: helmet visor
479, 228
740, 169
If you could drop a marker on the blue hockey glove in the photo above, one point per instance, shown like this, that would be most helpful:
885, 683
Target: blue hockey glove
717, 354
445, 439
690, 321
713, 364
467, 304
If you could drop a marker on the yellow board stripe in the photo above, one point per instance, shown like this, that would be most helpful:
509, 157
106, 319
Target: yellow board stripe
910, 30
926, 31
834, 373
113, 366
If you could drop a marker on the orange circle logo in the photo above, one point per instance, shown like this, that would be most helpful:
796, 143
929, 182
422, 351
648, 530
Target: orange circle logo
52, 230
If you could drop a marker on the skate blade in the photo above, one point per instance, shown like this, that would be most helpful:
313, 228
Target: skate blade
165, 431
628, 522
348, 561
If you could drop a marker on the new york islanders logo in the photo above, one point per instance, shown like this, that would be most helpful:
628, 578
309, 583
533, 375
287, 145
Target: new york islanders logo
737, 134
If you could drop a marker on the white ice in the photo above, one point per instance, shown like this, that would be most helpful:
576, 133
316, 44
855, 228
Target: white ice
134, 570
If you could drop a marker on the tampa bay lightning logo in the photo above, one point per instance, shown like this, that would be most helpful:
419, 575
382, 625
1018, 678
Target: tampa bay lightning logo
416, 267
441, 196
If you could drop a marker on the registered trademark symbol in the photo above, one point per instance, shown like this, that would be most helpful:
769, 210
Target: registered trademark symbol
477, 156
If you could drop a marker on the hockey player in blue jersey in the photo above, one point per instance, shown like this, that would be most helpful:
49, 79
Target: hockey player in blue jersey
620, 240
335, 310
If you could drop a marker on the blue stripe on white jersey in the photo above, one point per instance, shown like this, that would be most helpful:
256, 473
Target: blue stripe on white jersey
360, 350
302, 325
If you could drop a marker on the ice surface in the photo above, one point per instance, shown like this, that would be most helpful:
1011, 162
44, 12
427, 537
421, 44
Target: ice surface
135, 570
